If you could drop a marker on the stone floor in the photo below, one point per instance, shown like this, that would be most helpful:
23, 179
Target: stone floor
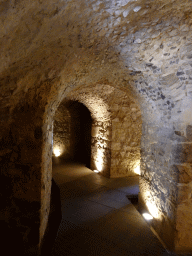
98, 219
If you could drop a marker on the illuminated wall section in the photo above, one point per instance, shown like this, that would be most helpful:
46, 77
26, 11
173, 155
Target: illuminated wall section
62, 133
101, 147
126, 136
159, 179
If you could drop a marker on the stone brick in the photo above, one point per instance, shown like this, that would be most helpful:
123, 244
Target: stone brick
189, 132
182, 153
185, 173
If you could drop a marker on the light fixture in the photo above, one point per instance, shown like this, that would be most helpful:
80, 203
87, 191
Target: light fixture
96, 171
137, 170
153, 209
99, 159
56, 152
99, 166
147, 216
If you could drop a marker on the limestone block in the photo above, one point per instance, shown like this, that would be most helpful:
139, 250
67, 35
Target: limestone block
184, 192
189, 132
182, 153
116, 146
184, 221
95, 131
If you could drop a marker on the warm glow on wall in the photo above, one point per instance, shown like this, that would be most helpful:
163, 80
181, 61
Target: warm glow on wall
57, 151
99, 159
153, 209
147, 216
99, 165
137, 168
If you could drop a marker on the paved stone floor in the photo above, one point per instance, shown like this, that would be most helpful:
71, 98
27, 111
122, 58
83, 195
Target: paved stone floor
98, 219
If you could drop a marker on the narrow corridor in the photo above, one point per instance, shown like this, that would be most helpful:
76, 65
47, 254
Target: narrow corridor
97, 217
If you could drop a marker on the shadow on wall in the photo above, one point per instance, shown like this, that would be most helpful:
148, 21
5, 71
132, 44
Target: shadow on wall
55, 217
72, 132
81, 123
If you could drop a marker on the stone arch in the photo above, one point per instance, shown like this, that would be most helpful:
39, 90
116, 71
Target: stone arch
71, 124
101, 128
99, 98
116, 129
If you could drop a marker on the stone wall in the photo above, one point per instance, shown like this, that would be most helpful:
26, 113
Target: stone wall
182, 153
126, 136
166, 180
164, 143
158, 183
20, 190
101, 147
62, 133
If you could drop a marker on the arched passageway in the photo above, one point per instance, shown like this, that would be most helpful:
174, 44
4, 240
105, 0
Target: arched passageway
115, 129
106, 116
72, 132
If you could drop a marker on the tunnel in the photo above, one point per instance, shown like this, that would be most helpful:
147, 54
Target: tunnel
130, 64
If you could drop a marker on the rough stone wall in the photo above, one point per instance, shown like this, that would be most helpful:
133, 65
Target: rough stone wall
21, 150
164, 142
158, 186
62, 132
126, 135
182, 153
101, 147
166, 181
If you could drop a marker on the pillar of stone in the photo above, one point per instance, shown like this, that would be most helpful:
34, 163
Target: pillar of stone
20, 182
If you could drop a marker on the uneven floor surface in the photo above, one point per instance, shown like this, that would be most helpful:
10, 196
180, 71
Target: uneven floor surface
97, 217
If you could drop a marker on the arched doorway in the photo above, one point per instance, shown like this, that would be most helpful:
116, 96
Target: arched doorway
72, 132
